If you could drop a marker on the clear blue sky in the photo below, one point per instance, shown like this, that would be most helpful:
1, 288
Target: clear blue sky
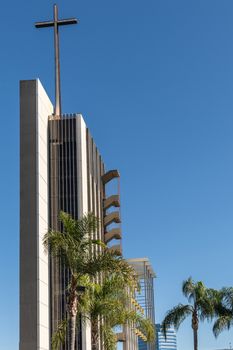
154, 81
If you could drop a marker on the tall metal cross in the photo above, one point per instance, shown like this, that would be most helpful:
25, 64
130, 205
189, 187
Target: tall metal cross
56, 23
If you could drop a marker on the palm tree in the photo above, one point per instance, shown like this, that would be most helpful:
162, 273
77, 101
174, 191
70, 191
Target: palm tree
73, 248
200, 307
224, 311
104, 304
107, 308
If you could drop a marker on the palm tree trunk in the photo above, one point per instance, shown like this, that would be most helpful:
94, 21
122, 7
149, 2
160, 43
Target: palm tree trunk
195, 339
72, 329
94, 335
73, 316
195, 329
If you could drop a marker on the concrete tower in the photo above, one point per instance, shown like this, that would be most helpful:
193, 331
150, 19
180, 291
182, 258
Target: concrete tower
60, 169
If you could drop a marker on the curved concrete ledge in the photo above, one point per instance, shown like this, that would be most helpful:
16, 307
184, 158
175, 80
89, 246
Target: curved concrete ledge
111, 174
115, 233
112, 217
112, 201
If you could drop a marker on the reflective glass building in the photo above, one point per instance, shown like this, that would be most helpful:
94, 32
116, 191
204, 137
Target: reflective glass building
165, 344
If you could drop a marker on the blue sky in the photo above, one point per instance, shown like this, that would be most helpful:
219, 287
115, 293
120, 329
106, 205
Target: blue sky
154, 81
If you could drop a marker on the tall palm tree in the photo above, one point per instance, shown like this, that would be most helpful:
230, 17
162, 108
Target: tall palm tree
200, 307
224, 311
73, 248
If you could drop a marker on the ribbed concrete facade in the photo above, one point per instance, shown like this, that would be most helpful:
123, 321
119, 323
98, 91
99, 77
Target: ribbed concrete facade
76, 170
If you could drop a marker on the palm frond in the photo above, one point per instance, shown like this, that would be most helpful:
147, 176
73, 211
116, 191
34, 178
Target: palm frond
55, 241
147, 328
221, 301
199, 290
175, 317
206, 310
206, 301
121, 268
141, 322
87, 225
221, 324
108, 262
114, 287
227, 297
109, 337
59, 335
108, 300
188, 288
61, 246
68, 223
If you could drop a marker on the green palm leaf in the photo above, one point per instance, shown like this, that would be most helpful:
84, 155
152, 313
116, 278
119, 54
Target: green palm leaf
223, 310
221, 324
176, 316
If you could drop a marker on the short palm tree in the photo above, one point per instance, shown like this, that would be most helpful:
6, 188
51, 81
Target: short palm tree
224, 311
104, 304
107, 308
200, 307
73, 248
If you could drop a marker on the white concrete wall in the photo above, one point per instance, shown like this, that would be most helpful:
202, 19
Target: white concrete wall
44, 110
82, 166
83, 202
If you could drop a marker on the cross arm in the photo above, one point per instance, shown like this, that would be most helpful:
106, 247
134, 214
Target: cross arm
44, 24
67, 21
61, 22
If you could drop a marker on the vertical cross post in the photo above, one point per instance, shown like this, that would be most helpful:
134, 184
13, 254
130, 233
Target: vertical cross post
56, 23
57, 110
